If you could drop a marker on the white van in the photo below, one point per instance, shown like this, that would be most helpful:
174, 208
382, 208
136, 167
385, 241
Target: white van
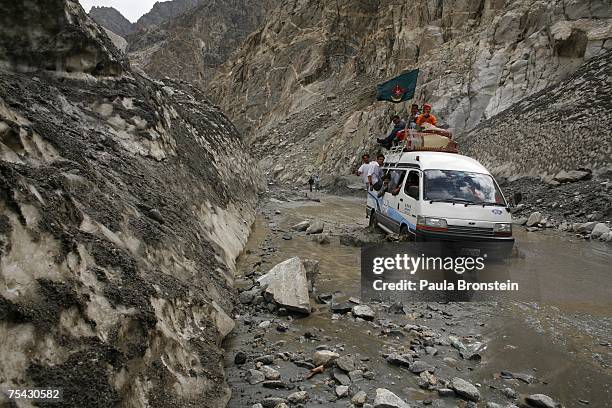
440, 196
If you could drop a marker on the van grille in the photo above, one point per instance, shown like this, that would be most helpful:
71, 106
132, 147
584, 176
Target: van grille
476, 231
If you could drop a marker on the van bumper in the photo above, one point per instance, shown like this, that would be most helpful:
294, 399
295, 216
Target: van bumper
494, 247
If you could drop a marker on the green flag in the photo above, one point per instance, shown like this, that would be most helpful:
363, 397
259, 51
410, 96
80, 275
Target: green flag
398, 89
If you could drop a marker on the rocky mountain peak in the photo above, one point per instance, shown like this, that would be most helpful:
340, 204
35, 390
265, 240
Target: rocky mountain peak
112, 19
163, 11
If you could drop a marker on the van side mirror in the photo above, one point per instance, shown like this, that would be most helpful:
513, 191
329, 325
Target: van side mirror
413, 191
517, 198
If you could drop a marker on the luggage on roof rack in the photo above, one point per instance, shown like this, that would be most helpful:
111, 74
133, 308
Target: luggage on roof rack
429, 140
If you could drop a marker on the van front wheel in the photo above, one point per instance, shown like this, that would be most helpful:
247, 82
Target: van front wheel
373, 225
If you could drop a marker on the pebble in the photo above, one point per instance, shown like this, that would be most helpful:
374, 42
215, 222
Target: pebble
298, 397
342, 391
240, 358
360, 398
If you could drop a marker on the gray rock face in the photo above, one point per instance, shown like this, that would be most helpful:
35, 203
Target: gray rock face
477, 59
214, 28
112, 19
163, 11
25, 29
286, 283
465, 389
386, 399
90, 157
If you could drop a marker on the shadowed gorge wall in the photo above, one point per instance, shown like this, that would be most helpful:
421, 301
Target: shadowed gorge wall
123, 204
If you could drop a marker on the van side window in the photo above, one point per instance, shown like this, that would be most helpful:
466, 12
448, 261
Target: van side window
412, 181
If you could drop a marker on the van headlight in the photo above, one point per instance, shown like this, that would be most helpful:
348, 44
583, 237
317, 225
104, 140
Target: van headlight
431, 223
503, 229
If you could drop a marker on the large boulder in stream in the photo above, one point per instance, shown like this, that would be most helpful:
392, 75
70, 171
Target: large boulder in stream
287, 285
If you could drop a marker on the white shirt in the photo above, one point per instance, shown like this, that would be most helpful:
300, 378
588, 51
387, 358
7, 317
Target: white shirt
363, 171
375, 171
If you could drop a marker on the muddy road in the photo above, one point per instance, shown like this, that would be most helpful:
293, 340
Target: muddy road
559, 345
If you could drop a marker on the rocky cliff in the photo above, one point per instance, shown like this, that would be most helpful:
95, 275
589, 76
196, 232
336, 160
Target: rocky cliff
302, 86
123, 204
192, 45
111, 19
563, 127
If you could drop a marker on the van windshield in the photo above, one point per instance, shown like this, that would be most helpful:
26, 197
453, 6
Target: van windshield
461, 187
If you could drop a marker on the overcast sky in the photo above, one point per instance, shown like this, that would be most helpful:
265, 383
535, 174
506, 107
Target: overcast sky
131, 9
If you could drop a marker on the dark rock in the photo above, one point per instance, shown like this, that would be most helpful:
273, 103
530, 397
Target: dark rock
240, 358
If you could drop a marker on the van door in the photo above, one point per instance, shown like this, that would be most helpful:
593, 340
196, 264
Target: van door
409, 199
391, 203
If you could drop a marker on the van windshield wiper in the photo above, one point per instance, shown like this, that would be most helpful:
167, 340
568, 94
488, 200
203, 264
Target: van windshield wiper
452, 201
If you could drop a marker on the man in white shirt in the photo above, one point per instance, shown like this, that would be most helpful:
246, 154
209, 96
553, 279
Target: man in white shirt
375, 172
364, 168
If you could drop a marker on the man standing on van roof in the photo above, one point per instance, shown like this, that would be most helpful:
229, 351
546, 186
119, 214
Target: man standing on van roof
364, 168
375, 172
398, 125
426, 116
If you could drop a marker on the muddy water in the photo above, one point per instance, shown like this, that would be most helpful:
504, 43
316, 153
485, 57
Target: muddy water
563, 337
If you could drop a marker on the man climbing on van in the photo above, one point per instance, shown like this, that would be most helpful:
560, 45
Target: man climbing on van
375, 173
364, 168
426, 116
398, 125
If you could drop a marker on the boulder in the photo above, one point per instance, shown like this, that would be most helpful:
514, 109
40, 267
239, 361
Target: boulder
254, 377
324, 357
465, 389
585, 228
540, 401
386, 399
315, 228
571, 176
534, 219
287, 284
599, 229
269, 373
364, 311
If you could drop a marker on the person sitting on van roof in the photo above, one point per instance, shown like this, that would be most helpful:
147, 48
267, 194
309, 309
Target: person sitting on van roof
414, 114
426, 116
398, 124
